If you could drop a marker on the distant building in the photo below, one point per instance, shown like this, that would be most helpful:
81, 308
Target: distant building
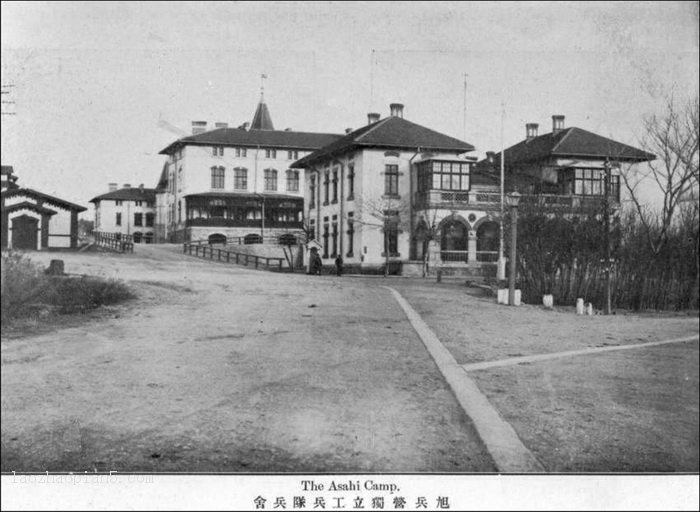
390, 167
232, 182
128, 210
565, 168
32, 220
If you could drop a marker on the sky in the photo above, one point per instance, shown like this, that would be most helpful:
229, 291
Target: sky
100, 88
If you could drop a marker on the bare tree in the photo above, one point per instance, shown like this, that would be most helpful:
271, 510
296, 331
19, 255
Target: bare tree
673, 137
389, 215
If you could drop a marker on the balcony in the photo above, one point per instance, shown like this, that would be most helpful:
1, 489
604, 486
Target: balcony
222, 222
456, 199
475, 199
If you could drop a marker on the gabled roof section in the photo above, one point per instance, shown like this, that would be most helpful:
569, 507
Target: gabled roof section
163, 180
52, 200
308, 141
391, 132
128, 194
262, 119
572, 142
26, 205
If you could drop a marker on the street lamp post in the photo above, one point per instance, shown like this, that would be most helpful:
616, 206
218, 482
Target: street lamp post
512, 200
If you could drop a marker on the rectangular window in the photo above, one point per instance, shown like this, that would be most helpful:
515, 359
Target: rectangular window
326, 182
292, 155
312, 229
138, 219
351, 182
446, 176
351, 234
240, 178
218, 151
119, 219
335, 186
241, 152
587, 182
118, 203
217, 177
149, 220
293, 181
270, 180
326, 234
270, 153
391, 232
391, 180
334, 237
312, 188
149, 204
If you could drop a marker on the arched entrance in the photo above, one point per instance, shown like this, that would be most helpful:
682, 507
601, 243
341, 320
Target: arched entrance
487, 242
454, 240
25, 232
217, 238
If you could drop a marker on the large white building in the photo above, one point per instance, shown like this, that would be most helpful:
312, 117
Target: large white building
224, 183
383, 187
129, 211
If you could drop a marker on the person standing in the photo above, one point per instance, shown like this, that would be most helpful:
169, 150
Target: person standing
339, 265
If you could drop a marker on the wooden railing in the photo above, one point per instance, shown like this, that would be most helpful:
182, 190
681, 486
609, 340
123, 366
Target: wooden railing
116, 241
201, 248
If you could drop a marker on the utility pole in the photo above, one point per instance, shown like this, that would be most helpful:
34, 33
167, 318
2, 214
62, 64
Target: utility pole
501, 267
606, 223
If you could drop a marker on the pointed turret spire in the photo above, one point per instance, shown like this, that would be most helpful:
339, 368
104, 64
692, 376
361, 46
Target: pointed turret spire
262, 119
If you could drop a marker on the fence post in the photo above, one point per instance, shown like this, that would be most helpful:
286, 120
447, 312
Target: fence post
256, 261
184, 247
228, 257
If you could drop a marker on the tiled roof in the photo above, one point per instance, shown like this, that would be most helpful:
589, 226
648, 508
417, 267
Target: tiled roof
262, 119
128, 194
254, 138
574, 142
52, 200
391, 132
163, 180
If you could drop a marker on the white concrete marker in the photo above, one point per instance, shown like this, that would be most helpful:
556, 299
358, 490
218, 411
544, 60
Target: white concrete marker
504, 446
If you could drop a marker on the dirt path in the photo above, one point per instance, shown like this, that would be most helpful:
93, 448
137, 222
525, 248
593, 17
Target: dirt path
220, 368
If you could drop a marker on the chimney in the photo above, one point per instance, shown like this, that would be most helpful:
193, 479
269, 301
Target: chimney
127, 185
531, 130
490, 156
372, 117
348, 130
219, 124
557, 124
396, 109
245, 126
199, 127
112, 186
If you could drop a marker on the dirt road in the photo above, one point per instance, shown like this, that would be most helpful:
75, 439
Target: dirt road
221, 368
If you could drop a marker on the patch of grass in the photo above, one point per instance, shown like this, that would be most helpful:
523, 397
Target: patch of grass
27, 292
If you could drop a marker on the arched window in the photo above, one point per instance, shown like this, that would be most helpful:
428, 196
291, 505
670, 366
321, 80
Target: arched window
270, 179
217, 238
217, 177
137, 237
